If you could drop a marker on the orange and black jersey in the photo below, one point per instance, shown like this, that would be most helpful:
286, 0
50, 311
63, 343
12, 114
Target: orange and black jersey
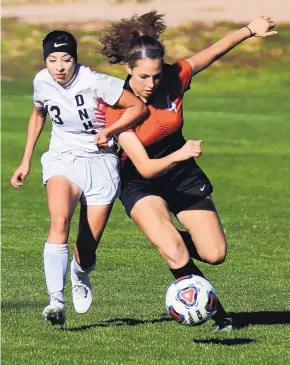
182, 186
161, 132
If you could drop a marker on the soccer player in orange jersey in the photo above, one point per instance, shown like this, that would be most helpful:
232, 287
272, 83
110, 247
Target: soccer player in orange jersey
183, 189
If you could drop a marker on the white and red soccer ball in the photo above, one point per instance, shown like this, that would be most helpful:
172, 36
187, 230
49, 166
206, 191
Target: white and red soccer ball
191, 300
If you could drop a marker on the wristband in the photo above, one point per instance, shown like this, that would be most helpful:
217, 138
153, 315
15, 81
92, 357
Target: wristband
250, 31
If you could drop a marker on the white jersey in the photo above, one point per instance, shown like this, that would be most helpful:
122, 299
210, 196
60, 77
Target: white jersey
77, 109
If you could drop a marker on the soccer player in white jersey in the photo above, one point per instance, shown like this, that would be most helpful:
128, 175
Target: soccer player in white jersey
74, 167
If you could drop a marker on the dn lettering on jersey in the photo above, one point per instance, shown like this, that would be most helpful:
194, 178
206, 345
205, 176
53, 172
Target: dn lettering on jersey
83, 113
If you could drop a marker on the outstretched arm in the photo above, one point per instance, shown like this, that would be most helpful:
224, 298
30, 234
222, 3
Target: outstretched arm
35, 125
260, 27
150, 168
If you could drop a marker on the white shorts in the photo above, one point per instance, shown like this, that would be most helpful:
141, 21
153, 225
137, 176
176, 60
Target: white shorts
97, 177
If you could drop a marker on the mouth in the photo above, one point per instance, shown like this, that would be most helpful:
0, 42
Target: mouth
60, 76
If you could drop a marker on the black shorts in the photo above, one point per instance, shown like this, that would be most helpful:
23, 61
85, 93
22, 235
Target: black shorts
182, 187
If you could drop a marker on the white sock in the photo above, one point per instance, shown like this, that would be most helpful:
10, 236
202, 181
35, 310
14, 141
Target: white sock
79, 271
55, 260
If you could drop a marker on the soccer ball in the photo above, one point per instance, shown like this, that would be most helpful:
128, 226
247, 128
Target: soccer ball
191, 300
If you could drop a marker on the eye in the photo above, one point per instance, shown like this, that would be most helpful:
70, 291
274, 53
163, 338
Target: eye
157, 77
143, 77
51, 61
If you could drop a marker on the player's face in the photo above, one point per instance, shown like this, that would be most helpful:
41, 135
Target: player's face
61, 66
146, 76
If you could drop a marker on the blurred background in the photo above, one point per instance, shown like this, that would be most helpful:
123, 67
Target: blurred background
192, 25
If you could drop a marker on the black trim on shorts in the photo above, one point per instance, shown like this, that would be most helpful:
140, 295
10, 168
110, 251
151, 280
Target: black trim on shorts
205, 203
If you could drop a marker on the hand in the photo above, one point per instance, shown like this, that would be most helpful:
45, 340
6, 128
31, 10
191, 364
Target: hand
20, 174
189, 150
102, 139
260, 27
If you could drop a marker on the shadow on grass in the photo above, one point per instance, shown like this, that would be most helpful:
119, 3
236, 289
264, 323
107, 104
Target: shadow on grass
20, 305
225, 341
118, 322
240, 320
245, 319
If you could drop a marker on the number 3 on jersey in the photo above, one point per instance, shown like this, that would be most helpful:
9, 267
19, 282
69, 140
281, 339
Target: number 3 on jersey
54, 113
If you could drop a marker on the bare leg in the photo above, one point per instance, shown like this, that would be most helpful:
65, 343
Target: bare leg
151, 214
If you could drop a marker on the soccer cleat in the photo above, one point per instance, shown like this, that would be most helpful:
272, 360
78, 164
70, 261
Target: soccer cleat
224, 325
81, 292
55, 311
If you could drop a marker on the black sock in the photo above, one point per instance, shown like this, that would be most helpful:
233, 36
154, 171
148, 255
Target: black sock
220, 313
87, 260
191, 269
87, 252
187, 269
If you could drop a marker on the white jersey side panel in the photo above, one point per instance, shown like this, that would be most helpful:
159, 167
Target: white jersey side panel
77, 110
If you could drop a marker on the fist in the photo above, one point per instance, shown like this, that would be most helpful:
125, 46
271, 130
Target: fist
19, 175
192, 148
102, 139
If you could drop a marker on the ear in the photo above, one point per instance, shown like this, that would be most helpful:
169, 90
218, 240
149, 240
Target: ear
128, 69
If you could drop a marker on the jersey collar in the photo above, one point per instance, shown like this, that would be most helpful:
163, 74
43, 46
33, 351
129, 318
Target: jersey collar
75, 75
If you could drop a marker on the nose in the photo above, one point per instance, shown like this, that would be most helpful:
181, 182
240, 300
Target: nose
59, 66
150, 83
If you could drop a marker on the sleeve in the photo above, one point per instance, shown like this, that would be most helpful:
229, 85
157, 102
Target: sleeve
108, 88
184, 70
112, 115
36, 95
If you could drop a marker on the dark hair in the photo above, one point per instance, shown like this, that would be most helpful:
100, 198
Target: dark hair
60, 36
128, 36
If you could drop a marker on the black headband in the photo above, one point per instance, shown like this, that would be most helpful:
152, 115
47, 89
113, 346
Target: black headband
151, 53
67, 46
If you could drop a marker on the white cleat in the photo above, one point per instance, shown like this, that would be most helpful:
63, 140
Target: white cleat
55, 312
81, 292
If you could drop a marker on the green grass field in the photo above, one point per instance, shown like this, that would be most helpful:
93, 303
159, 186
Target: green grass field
242, 114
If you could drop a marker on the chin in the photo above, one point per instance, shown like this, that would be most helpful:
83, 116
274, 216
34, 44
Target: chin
61, 81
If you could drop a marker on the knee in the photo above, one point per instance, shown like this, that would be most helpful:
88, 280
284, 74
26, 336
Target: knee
59, 224
215, 257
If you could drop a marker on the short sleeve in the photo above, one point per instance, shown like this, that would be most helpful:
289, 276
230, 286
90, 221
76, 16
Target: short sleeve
112, 115
108, 88
36, 96
184, 70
